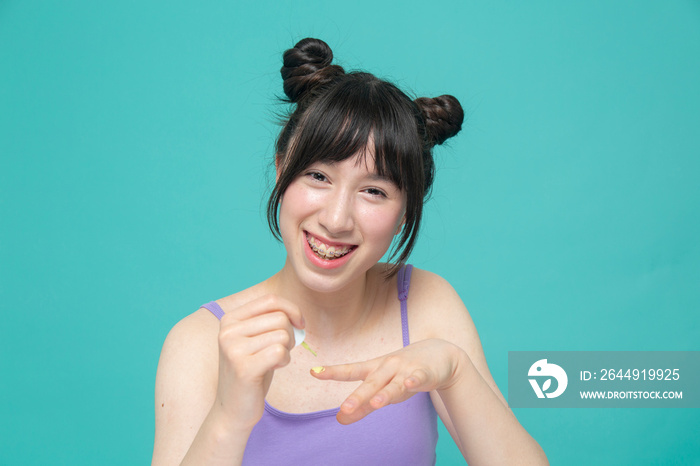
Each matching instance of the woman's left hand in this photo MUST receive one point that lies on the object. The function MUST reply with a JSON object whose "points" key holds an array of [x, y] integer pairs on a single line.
{"points": [[419, 367]]}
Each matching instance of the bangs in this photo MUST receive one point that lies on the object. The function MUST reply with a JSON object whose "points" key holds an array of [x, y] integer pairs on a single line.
{"points": [[353, 119]]}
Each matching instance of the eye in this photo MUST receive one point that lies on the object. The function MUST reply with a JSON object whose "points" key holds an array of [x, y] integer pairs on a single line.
{"points": [[317, 176], [376, 192]]}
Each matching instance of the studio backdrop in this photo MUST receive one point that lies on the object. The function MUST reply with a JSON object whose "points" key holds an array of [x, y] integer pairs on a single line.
{"points": [[136, 144]]}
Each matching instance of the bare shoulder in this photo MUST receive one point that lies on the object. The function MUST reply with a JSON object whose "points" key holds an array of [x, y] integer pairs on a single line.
{"points": [[429, 285], [187, 378], [190, 339], [436, 309], [189, 356], [185, 384]]}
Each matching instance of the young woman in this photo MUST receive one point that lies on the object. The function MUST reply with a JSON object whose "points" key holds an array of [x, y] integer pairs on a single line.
{"points": [[387, 347]]}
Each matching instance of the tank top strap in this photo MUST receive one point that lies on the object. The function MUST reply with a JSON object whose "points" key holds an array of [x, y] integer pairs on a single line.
{"points": [[214, 308], [403, 283]]}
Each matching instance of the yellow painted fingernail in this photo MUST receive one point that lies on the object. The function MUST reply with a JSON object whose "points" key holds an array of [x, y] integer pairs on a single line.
{"points": [[318, 369]]}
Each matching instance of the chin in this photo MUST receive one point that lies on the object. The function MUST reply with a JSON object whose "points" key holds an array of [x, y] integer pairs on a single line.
{"points": [[330, 280]]}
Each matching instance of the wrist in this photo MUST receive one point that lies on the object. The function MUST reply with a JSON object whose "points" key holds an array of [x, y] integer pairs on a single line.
{"points": [[226, 426], [461, 366]]}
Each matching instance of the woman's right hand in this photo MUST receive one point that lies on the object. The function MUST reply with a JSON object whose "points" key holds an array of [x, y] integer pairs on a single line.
{"points": [[254, 340]]}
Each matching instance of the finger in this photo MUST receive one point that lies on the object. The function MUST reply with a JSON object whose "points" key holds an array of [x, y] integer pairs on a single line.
{"points": [[402, 388], [258, 343], [345, 372], [265, 304], [240, 350], [254, 368], [240, 339], [348, 417], [359, 403], [362, 402], [394, 392], [260, 324], [269, 358], [418, 381]]}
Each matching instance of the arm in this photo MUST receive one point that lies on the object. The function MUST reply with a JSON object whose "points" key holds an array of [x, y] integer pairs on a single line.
{"points": [[484, 428], [450, 363], [212, 380], [186, 387], [474, 397]]}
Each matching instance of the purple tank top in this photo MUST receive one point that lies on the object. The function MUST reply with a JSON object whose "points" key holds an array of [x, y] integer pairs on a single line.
{"points": [[404, 433]]}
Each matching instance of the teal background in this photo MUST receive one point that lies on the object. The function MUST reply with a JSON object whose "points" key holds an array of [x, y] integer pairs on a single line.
{"points": [[135, 148]]}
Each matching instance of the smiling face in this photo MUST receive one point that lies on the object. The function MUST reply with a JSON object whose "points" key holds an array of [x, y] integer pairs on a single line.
{"points": [[354, 112], [337, 220]]}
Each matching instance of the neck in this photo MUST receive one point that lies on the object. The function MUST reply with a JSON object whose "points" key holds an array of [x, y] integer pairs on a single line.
{"points": [[329, 316]]}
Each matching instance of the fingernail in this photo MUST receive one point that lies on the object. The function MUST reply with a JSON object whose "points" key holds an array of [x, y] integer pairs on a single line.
{"points": [[318, 369], [378, 400], [348, 405]]}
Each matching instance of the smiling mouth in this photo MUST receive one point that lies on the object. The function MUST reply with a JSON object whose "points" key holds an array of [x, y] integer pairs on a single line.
{"points": [[325, 251]]}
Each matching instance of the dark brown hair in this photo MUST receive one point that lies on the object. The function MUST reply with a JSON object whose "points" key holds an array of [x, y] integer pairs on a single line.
{"points": [[336, 116]]}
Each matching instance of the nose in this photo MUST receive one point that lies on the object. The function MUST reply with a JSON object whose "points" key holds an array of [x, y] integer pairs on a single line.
{"points": [[337, 215]]}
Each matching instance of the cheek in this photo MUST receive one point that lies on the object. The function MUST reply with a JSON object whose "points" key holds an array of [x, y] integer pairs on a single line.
{"points": [[297, 202], [381, 223]]}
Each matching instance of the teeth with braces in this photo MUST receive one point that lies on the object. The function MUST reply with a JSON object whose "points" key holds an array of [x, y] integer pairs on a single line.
{"points": [[325, 251]]}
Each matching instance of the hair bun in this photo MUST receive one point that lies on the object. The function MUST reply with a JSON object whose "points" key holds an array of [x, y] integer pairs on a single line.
{"points": [[307, 66], [443, 117]]}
